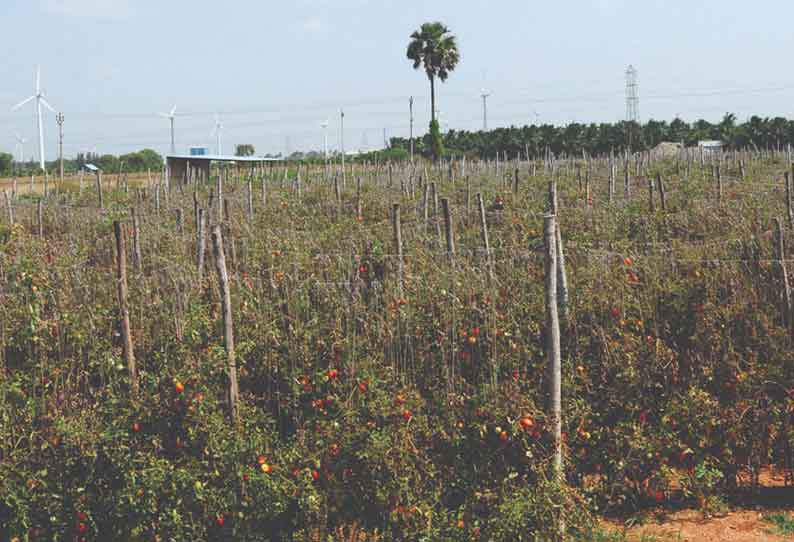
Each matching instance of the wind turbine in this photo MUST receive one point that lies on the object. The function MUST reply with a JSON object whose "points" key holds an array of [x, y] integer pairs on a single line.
{"points": [[218, 129], [21, 147], [170, 116], [324, 126], [39, 97]]}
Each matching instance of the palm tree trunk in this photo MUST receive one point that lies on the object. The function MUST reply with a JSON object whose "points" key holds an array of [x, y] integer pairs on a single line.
{"points": [[432, 98]]}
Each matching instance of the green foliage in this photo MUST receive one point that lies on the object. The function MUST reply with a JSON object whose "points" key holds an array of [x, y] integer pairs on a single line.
{"points": [[436, 141], [783, 523], [402, 414], [245, 149], [6, 163], [143, 160]]}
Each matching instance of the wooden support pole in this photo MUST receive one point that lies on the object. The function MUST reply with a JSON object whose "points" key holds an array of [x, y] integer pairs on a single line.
{"points": [[789, 210], [651, 203], [136, 241], [484, 235], [553, 343], [98, 190], [562, 275], [359, 210], [250, 199], [398, 246], [780, 254], [662, 193], [124, 311], [232, 389], [434, 191], [202, 243], [40, 217], [450, 235], [9, 207]]}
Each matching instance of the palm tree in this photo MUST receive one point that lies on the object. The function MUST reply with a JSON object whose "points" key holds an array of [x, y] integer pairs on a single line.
{"points": [[435, 48]]}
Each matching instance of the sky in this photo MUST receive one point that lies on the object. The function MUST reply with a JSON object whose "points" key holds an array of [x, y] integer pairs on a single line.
{"points": [[274, 71]]}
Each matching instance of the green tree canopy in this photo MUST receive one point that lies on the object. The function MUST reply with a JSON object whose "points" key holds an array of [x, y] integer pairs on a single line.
{"points": [[245, 149]]}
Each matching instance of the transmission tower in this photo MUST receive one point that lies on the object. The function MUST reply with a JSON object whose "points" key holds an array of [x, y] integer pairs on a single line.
{"points": [[632, 95], [632, 101]]}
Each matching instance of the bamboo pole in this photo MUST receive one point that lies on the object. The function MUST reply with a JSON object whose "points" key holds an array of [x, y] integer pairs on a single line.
{"points": [[232, 390], [126, 334]]}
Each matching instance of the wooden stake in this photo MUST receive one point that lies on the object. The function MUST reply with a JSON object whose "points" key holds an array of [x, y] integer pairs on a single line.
{"points": [[789, 210], [398, 245], [40, 215], [98, 189], [553, 343], [136, 242], [781, 257], [202, 243], [450, 235], [484, 235], [662, 194], [562, 275], [126, 335], [232, 390]]}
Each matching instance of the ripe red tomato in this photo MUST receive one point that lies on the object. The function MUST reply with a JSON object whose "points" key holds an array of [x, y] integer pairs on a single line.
{"points": [[261, 459], [179, 387], [81, 527], [220, 520], [628, 261], [266, 468], [615, 312], [136, 427], [315, 475], [527, 422], [363, 386], [503, 436], [333, 374], [406, 415]]}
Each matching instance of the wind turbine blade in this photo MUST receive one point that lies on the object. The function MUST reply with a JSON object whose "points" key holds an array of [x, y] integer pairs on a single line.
{"points": [[47, 105], [164, 115], [23, 102], [173, 110], [38, 79]]}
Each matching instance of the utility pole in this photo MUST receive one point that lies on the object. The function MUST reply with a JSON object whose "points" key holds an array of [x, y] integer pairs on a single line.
{"points": [[59, 118], [484, 96], [411, 129]]}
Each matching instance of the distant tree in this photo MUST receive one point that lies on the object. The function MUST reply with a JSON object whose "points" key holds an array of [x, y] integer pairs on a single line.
{"points": [[6, 163], [435, 49], [246, 149], [147, 159]]}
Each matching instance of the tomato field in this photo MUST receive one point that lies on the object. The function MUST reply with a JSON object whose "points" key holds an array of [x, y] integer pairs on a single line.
{"points": [[392, 381]]}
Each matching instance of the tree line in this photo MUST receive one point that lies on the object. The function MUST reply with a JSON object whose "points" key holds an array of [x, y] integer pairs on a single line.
{"points": [[601, 138], [133, 162]]}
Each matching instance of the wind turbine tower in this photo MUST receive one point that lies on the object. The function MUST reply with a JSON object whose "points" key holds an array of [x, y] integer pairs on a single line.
{"points": [[39, 97], [218, 129], [484, 95], [324, 126], [20, 147], [170, 116]]}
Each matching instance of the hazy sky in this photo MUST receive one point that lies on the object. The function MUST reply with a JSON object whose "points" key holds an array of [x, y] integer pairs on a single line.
{"points": [[276, 70]]}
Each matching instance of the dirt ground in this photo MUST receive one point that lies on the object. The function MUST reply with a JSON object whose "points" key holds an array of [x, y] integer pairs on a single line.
{"points": [[744, 522], [741, 525]]}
